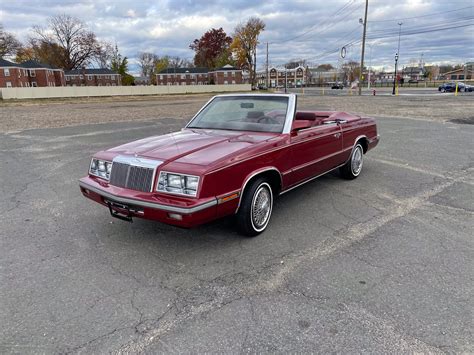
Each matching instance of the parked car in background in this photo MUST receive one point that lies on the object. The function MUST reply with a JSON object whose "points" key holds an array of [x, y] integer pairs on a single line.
{"points": [[234, 157], [451, 87], [469, 88]]}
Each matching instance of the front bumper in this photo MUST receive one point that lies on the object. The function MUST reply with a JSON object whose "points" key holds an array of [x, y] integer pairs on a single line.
{"points": [[176, 211]]}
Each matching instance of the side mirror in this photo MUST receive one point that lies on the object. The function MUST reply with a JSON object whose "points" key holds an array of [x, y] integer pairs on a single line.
{"points": [[300, 124]]}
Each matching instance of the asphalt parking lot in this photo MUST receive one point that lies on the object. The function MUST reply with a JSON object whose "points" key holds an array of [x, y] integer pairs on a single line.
{"points": [[384, 263]]}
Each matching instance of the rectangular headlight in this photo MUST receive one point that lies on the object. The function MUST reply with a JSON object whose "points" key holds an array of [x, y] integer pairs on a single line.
{"points": [[100, 168], [191, 182], [179, 184], [174, 181]]}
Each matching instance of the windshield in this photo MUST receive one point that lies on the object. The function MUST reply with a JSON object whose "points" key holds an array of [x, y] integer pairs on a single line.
{"points": [[244, 113]]}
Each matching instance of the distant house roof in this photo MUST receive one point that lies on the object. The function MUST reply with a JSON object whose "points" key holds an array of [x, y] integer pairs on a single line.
{"points": [[90, 71], [33, 64], [184, 70], [460, 71], [226, 67], [413, 70], [6, 63]]}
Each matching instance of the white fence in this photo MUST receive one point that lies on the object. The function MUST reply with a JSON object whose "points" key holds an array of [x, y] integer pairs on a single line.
{"points": [[90, 91]]}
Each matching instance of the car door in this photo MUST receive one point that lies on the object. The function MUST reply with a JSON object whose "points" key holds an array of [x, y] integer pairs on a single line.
{"points": [[315, 151]]}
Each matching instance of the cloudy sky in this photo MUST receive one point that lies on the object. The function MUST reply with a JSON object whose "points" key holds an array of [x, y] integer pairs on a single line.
{"points": [[315, 30]]}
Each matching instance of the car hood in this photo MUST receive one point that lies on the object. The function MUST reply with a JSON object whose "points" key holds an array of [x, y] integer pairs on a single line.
{"points": [[195, 146]]}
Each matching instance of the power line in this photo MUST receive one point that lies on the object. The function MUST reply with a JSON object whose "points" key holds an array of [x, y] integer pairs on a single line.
{"points": [[327, 21], [405, 33], [445, 25], [421, 16], [459, 21]]}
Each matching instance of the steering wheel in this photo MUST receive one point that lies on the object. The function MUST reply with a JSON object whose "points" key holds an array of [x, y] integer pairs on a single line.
{"points": [[268, 120]]}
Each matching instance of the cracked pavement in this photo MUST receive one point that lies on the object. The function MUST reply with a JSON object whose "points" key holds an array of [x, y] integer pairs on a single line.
{"points": [[383, 263]]}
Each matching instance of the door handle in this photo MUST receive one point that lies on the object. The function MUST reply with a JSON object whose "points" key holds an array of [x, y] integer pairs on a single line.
{"points": [[337, 135]]}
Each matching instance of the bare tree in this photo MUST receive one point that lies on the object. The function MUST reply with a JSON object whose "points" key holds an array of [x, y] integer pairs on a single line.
{"points": [[295, 63], [178, 62], [79, 44], [9, 45], [104, 56], [146, 62]]}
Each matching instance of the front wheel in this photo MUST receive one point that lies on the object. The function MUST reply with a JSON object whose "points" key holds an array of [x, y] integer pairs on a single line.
{"points": [[353, 167], [255, 208]]}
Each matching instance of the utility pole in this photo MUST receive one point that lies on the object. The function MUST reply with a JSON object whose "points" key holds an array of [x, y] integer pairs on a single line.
{"points": [[363, 47], [266, 71]]}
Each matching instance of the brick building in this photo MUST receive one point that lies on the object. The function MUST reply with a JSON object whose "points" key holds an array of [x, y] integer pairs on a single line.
{"points": [[183, 76], [12, 75], [458, 74], [278, 76], [92, 77], [42, 75], [29, 74], [226, 75]]}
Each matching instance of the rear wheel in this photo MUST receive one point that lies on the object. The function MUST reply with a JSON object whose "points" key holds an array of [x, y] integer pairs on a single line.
{"points": [[255, 208], [353, 167]]}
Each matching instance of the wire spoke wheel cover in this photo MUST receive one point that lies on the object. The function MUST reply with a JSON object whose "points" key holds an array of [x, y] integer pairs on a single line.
{"points": [[261, 207], [357, 160]]}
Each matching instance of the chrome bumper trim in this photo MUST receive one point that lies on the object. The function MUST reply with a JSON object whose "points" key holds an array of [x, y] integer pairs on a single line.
{"points": [[377, 138], [157, 206]]}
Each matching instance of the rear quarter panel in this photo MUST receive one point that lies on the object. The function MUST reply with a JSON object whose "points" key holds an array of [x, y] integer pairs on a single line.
{"points": [[353, 130]]}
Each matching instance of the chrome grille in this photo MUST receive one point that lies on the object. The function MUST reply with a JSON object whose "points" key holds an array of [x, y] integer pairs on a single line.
{"points": [[127, 173]]}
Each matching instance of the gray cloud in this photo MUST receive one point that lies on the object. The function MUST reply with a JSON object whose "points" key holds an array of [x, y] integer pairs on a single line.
{"points": [[311, 30]]}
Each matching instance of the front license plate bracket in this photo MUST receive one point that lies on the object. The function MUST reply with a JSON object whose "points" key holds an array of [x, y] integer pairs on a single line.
{"points": [[127, 216]]}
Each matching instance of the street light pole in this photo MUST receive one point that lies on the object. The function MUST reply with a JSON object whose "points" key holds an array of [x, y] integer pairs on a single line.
{"points": [[397, 56]]}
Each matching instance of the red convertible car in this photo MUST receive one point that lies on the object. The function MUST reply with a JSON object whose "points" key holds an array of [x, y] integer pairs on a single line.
{"points": [[234, 157]]}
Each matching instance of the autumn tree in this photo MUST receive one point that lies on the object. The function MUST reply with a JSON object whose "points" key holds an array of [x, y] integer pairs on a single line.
{"points": [[161, 63], [119, 64], [79, 45], [324, 67], [9, 45], [40, 51], [244, 45], [351, 70], [24, 53], [212, 50]]}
